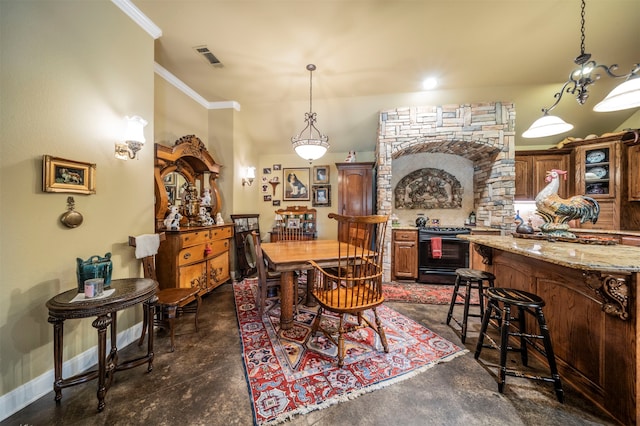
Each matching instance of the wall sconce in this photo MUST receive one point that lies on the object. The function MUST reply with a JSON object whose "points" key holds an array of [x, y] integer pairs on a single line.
{"points": [[133, 138], [249, 177]]}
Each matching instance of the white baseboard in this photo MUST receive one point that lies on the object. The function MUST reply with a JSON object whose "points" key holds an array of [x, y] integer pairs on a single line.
{"points": [[29, 392]]}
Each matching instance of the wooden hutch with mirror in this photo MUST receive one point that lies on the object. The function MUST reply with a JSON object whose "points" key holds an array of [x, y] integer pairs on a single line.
{"points": [[197, 253]]}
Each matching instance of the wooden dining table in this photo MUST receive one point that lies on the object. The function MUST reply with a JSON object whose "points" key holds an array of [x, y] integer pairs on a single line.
{"points": [[286, 257]]}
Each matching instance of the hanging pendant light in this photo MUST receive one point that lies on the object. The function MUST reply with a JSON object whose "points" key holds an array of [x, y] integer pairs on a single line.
{"points": [[310, 144], [625, 96], [547, 125]]}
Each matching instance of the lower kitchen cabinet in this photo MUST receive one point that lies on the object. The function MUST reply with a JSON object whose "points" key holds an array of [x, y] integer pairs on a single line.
{"points": [[404, 261], [195, 257]]}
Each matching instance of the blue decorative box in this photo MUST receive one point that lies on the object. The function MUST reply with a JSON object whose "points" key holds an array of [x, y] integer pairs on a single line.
{"points": [[94, 267]]}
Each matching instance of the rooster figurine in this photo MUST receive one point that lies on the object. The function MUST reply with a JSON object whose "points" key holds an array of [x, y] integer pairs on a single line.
{"points": [[557, 212]]}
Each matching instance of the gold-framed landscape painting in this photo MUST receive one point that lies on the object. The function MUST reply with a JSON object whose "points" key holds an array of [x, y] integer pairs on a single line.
{"points": [[62, 175]]}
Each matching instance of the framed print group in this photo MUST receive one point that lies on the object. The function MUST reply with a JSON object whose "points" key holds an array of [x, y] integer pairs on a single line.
{"points": [[296, 184], [60, 175]]}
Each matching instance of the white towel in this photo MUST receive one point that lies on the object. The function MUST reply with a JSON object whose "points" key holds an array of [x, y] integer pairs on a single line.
{"points": [[147, 245]]}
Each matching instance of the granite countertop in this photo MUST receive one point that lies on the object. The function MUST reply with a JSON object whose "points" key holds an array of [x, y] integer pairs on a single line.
{"points": [[590, 257]]}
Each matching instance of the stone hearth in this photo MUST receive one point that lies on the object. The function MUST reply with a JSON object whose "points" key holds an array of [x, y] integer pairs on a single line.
{"points": [[482, 133]]}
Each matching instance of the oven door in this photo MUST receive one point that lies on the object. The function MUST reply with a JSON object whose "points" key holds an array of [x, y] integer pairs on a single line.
{"points": [[455, 254]]}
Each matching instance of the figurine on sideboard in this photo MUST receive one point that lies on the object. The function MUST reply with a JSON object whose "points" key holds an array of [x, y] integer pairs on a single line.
{"points": [[172, 220], [205, 217], [351, 158], [206, 198], [219, 219]]}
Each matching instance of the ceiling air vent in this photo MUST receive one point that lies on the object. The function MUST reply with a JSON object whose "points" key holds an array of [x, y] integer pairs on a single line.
{"points": [[208, 56]]}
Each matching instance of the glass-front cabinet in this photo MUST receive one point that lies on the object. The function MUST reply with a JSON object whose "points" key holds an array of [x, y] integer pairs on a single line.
{"points": [[598, 170]]}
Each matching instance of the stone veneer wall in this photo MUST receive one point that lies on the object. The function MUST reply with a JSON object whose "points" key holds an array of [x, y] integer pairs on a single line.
{"points": [[483, 133]]}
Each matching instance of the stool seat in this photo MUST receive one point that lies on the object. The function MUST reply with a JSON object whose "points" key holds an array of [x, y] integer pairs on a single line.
{"points": [[501, 300], [471, 279], [516, 297], [475, 274]]}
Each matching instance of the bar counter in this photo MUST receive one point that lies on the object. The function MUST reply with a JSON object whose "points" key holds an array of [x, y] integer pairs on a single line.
{"points": [[591, 309]]}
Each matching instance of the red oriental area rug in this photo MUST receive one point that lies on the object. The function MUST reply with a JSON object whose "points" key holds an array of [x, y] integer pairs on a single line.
{"points": [[297, 373]]}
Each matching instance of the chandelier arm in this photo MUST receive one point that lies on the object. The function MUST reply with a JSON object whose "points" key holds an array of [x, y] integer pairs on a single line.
{"points": [[558, 95]]}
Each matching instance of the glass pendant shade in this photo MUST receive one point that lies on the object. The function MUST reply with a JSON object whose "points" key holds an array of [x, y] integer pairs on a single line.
{"points": [[547, 125], [310, 149], [624, 96]]}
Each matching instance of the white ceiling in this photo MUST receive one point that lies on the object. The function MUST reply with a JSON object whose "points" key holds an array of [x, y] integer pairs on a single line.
{"points": [[373, 54]]}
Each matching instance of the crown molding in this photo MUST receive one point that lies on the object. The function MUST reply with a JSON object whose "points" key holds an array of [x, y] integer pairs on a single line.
{"points": [[179, 84], [138, 17]]}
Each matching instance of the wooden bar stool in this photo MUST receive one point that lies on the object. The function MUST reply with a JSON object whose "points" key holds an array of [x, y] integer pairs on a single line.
{"points": [[499, 308], [472, 279]]}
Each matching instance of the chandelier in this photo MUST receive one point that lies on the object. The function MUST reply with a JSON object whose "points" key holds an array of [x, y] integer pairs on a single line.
{"points": [[626, 95], [310, 144]]}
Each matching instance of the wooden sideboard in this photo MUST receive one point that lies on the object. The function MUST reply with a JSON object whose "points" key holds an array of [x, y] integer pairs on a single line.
{"points": [[195, 257]]}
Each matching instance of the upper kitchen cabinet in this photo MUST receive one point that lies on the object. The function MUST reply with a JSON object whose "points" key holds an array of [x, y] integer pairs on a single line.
{"points": [[531, 170], [606, 170]]}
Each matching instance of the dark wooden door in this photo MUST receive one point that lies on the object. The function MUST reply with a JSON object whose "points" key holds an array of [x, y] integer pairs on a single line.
{"points": [[355, 190]]}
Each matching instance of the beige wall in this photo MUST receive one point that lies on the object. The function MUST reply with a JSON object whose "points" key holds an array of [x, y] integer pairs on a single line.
{"points": [[70, 72], [176, 115], [326, 227]]}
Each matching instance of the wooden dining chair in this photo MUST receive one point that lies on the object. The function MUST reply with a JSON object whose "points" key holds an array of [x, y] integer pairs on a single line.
{"points": [[268, 282], [171, 302], [355, 285]]}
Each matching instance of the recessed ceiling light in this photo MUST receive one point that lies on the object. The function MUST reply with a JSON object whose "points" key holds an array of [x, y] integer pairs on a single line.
{"points": [[429, 83]]}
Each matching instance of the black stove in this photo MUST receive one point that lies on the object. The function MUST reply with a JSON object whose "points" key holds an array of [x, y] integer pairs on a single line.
{"points": [[444, 230], [453, 253]]}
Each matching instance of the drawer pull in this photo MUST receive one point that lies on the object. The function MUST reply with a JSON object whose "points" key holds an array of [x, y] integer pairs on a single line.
{"points": [[186, 256]]}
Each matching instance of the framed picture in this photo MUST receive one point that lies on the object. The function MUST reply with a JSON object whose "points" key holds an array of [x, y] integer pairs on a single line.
{"points": [[321, 196], [296, 184], [266, 170], [266, 198], [276, 203], [321, 174], [293, 222], [277, 167], [170, 179], [60, 175]]}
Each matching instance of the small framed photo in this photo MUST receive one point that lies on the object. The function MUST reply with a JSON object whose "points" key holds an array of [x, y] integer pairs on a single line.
{"points": [[60, 175], [277, 167], [265, 188], [276, 203], [321, 196], [266, 198], [293, 222], [321, 174], [169, 179], [296, 184], [266, 170]]}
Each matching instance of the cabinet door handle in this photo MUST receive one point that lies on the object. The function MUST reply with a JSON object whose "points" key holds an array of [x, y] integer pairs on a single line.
{"points": [[186, 256]]}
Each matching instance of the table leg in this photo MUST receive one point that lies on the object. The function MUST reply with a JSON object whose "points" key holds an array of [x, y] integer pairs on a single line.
{"points": [[58, 333], [150, 308], [311, 277], [286, 300], [101, 323]]}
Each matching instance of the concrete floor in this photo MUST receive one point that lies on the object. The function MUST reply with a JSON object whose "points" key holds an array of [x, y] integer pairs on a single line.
{"points": [[203, 383]]}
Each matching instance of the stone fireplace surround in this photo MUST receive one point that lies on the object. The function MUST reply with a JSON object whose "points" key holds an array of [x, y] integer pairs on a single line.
{"points": [[484, 133]]}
